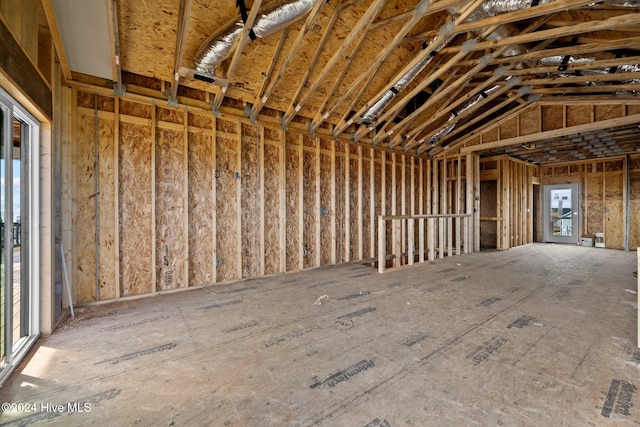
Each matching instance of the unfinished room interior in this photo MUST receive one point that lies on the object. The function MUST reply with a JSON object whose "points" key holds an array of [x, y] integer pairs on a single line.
{"points": [[319, 212]]}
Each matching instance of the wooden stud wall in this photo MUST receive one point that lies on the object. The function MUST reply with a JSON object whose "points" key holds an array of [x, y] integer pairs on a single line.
{"points": [[507, 201], [603, 196], [188, 199]]}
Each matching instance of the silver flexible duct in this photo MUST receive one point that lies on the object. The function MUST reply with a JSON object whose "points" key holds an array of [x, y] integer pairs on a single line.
{"points": [[278, 16]]}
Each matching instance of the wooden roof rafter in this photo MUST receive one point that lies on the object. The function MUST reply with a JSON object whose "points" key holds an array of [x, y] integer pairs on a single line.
{"points": [[445, 32], [412, 138], [410, 21], [264, 94], [296, 104], [444, 148], [181, 35], [242, 41], [629, 19]]}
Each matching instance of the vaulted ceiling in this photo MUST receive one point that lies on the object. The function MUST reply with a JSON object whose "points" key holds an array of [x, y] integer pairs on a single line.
{"points": [[418, 76]]}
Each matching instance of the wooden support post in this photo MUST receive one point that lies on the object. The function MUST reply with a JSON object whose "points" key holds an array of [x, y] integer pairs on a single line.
{"points": [[154, 273], [449, 236], [444, 181], [431, 235], [261, 201], [397, 242], [403, 203], [421, 240], [116, 192], [420, 186], [239, 201], [282, 202], [360, 210], [476, 203], [410, 241], [301, 246], [506, 204], [468, 245], [372, 202], [458, 203], [185, 200], [318, 259], [435, 188], [428, 187], [441, 242], [333, 204], [395, 231], [382, 244], [383, 183], [214, 213], [347, 203]]}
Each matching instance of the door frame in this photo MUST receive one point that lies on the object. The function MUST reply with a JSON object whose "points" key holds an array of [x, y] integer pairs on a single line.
{"points": [[575, 210], [15, 353]]}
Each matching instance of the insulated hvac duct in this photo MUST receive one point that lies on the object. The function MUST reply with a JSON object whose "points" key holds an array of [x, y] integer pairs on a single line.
{"points": [[563, 61], [484, 94], [278, 16], [488, 9], [372, 113]]}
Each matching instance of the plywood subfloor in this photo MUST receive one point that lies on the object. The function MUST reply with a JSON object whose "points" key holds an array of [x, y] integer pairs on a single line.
{"points": [[539, 335]]}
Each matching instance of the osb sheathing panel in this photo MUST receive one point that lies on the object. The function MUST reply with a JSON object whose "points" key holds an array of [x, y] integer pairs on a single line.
{"points": [[614, 210], [490, 135], [272, 218], [292, 202], [107, 209], [171, 245], [605, 112], [325, 204], [593, 205], [529, 121], [250, 209], [85, 221], [309, 208], [509, 129], [227, 205], [135, 208], [579, 114], [201, 213], [151, 57], [552, 117]]}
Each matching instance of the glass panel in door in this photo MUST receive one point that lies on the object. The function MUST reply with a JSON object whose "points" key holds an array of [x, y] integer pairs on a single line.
{"points": [[561, 213]]}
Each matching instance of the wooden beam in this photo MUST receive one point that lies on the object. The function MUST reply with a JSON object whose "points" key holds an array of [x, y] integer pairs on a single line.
{"points": [[557, 133], [185, 197], [334, 259], [347, 204], [422, 56], [154, 234], [372, 201], [57, 40], [301, 246], [360, 208], [368, 16], [282, 199], [318, 206], [261, 202], [214, 208], [184, 12], [243, 39], [586, 27], [262, 98], [412, 19], [238, 168]]}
